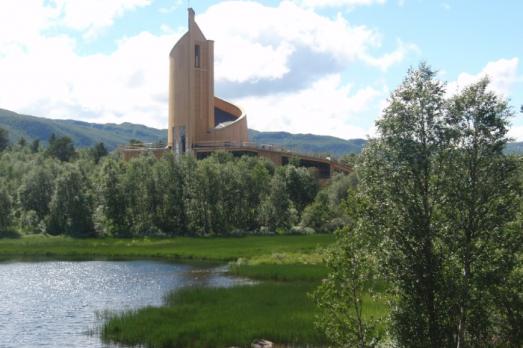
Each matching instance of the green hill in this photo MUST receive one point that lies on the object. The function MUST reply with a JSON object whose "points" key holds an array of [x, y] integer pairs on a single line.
{"points": [[85, 134], [309, 143]]}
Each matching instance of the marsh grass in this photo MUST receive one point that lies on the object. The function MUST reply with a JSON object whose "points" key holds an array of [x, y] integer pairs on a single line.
{"points": [[280, 309], [222, 317], [283, 272], [220, 249]]}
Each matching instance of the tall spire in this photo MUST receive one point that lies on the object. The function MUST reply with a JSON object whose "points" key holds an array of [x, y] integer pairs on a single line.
{"points": [[191, 16]]}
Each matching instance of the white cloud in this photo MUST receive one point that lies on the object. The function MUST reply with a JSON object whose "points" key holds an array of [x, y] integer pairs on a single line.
{"points": [[256, 42], [282, 64], [91, 16], [387, 60], [338, 3], [175, 5], [21, 25], [502, 74], [129, 85], [516, 133], [327, 107]]}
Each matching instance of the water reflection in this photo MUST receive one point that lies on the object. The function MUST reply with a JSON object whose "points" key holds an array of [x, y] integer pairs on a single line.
{"points": [[55, 304]]}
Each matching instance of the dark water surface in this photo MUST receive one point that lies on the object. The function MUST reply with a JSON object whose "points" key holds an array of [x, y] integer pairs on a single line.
{"points": [[58, 304]]}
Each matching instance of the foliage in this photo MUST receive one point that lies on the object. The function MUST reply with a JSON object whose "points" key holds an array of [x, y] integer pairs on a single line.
{"points": [[36, 190], [352, 264], [441, 199], [69, 210], [318, 214], [5, 211], [275, 210], [482, 193], [326, 213], [400, 174], [22, 142], [98, 151], [35, 146], [111, 200], [61, 148], [4, 139]]}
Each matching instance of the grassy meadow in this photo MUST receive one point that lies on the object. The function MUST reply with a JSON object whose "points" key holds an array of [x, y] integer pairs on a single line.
{"points": [[221, 249], [222, 317]]}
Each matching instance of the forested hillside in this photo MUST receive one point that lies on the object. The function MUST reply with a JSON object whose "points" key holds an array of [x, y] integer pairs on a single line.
{"points": [[85, 134], [309, 143]]}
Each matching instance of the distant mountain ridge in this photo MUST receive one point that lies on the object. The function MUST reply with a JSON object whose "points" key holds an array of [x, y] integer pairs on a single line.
{"points": [[86, 134], [83, 134], [309, 143]]}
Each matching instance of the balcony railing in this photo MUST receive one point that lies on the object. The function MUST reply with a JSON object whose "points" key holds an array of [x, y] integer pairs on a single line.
{"points": [[256, 146], [142, 146]]}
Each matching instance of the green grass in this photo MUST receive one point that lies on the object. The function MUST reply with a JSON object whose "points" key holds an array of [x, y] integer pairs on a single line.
{"points": [[180, 248], [218, 317], [278, 309], [285, 273]]}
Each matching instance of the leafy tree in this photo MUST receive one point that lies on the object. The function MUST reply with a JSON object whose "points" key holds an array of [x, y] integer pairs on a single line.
{"points": [[352, 262], [22, 142], [301, 186], [349, 159], [253, 182], [441, 202], [275, 210], [61, 148], [70, 211], [399, 173], [5, 211], [142, 196], [98, 151], [111, 196], [36, 191], [169, 176], [135, 142], [35, 146], [318, 214], [193, 197], [4, 139], [482, 195]]}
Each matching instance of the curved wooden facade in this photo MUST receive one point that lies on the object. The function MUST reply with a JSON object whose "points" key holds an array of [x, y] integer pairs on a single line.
{"points": [[195, 114]]}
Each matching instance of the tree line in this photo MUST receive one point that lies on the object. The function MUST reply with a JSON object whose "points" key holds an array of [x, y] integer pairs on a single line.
{"points": [[89, 193]]}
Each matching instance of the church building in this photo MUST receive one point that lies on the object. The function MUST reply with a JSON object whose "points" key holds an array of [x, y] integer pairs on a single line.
{"points": [[200, 123]]}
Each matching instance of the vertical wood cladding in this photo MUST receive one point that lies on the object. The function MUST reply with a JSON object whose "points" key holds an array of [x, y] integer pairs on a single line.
{"points": [[191, 93]]}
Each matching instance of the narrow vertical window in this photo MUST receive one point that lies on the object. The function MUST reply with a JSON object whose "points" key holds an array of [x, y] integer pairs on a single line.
{"points": [[182, 140], [197, 56]]}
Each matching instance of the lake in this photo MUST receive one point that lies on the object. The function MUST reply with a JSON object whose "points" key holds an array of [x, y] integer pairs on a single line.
{"points": [[58, 303]]}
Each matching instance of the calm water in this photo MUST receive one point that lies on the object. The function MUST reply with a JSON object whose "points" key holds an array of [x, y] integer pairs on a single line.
{"points": [[55, 304]]}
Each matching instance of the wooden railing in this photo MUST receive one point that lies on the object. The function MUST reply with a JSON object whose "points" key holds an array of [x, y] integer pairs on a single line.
{"points": [[142, 146], [256, 146]]}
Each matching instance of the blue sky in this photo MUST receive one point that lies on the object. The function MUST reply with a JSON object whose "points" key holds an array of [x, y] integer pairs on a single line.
{"points": [[287, 63]]}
